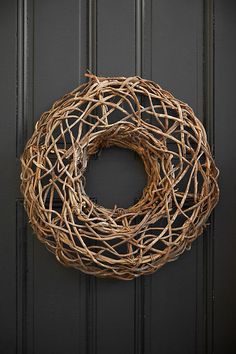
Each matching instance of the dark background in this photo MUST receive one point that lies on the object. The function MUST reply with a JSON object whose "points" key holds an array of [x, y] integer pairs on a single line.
{"points": [[188, 47]]}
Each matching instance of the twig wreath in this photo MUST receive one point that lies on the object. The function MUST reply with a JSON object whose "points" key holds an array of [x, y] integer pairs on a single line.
{"points": [[181, 188]]}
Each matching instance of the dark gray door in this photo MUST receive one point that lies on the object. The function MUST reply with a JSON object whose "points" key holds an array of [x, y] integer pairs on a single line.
{"points": [[188, 47]]}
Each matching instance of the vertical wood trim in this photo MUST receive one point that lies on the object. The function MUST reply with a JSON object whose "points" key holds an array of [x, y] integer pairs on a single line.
{"points": [[80, 36], [91, 306], [82, 9], [147, 73], [139, 18], [139, 316], [208, 70], [20, 136], [21, 274], [91, 282], [24, 88], [142, 300], [21, 72], [139, 282], [24, 124], [24, 284], [92, 44], [199, 294], [208, 112]]}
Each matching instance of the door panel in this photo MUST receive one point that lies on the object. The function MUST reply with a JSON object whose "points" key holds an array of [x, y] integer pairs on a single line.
{"points": [[188, 48], [115, 299], [177, 47], [8, 184], [225, 144], [58, 310]]}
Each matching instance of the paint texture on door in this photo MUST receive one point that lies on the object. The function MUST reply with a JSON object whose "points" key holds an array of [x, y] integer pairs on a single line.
{"points": [[187, 47]]}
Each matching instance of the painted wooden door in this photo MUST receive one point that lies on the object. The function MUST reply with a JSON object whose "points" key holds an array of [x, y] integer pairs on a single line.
{"points": [[188, 47]]}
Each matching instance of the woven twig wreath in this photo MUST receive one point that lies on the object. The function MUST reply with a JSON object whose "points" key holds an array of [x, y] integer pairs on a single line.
{"points": [[181, 189]]}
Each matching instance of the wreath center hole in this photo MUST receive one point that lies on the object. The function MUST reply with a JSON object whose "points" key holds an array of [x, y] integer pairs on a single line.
{"points": [[115, 176]]}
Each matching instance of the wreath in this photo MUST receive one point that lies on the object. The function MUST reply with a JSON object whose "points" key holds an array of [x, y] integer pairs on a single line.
{"points": [[181, 190]]}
